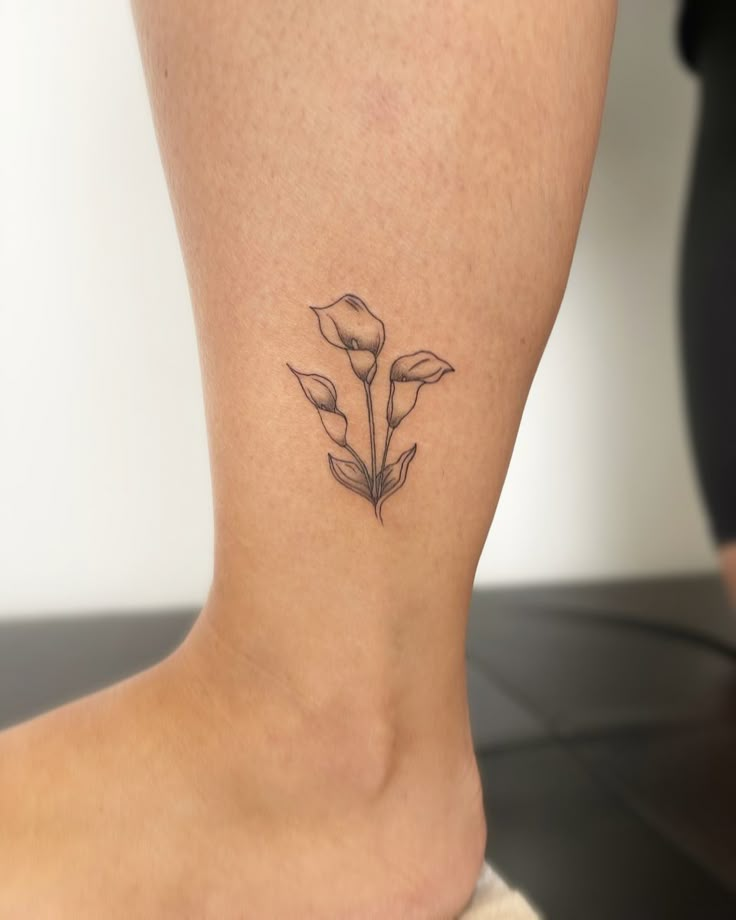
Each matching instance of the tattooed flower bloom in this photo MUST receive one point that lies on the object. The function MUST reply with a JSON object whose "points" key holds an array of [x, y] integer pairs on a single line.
{"points": [[322, 394], [349, 324], [408, 374]]}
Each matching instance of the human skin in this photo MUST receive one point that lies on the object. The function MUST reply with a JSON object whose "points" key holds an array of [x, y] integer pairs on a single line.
{"points": [[306, 751]]}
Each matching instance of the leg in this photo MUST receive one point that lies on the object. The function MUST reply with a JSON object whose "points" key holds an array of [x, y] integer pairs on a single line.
{"points": [[311, 737], [708, 304]]}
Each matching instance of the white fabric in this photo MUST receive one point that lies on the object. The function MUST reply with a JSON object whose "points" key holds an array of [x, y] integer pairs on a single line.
{"points": [[494, 900]]}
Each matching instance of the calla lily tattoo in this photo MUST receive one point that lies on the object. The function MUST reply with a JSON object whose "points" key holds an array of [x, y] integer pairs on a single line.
{"points": [[349, 324]]}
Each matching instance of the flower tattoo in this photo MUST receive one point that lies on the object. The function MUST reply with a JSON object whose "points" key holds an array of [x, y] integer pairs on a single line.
{"points": [[349, 324]]}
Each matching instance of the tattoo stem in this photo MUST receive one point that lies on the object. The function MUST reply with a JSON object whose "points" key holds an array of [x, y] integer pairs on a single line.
{"points": [[372, 427], [389, 432]]}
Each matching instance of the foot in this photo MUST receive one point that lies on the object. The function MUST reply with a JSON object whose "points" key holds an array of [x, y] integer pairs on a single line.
{"points": [[179, 794]]}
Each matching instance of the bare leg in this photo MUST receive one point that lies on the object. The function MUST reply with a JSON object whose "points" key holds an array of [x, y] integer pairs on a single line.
{"points": [[307, 751]]}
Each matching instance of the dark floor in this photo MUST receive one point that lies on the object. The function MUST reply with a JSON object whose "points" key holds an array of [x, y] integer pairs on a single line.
{"points": [[605, 724]]}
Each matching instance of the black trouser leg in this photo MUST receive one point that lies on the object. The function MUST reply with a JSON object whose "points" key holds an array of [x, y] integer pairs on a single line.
{"points": [[708, 278]]}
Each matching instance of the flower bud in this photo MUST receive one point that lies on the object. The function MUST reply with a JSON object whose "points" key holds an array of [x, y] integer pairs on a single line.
{"points": [[322, 395], [319, 390], [349, 324], [408, 374]]}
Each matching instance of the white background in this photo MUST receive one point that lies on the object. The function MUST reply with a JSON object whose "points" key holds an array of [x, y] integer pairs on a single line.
{"points": [[104, 496]]}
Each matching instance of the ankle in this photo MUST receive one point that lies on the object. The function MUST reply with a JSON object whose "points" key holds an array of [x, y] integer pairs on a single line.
{"points": [[356, 737], [399, 771]]}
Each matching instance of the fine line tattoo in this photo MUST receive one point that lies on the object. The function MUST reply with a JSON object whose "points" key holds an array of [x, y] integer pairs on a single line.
{"points": [[349, 324]]}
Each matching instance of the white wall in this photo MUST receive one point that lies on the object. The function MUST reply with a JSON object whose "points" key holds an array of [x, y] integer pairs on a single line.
{"points": [[103, 469], [601, 483]]}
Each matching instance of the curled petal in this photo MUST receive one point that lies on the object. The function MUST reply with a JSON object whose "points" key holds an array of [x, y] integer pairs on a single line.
{"points": [[319, 390], [402, 399], [394, 477], [408, 374], [423, 366], [364, 364], [351, 476], [336, 425], [348, 323]]}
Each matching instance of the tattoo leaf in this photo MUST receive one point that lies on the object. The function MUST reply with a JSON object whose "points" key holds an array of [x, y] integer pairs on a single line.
{"points": [[408, 374], [394, 477], [349, 324], [351, 476]]}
